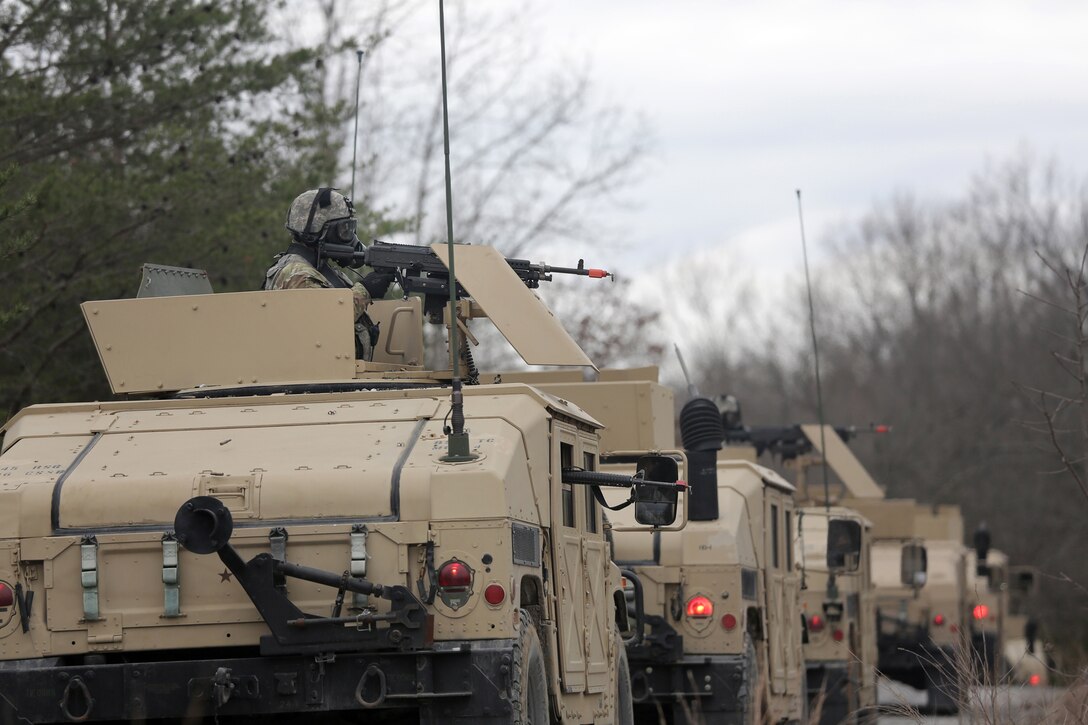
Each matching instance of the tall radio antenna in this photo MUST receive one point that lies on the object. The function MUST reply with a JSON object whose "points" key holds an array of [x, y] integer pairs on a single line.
{"points": [[457, 444], [815, 354], [692, 390], [355, 136]]}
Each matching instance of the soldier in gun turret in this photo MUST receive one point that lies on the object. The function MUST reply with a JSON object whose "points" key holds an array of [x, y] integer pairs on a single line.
{"points": [[325, 215]]}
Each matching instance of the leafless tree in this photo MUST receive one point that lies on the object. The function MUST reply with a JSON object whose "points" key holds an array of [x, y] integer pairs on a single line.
{"points": [[536, 151], [1071, 357], [936, 317]]}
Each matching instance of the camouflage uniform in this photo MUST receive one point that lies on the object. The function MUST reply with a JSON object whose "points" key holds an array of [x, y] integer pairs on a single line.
{"points": [[295, 270]]}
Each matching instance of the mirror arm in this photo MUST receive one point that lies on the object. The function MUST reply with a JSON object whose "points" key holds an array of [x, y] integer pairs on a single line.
{"points": [[613, 480]]}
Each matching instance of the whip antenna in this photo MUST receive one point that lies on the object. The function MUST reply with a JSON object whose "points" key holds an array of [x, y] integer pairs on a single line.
{"points": [[692, 390], [815, 353], [355, 135], [457, 445]]}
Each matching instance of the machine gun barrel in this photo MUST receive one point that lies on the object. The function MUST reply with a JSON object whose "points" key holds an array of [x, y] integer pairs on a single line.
{"points": [[790, 441], [410, 260]]}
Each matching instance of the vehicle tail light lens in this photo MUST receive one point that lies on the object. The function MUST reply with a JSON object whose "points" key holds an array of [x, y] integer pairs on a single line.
{"points": [[837, 635], [729, 622], [938, 620], [700, 607], [494, 594], [455, 575], [1034, 680], [981, 611], [7, 596], [816, 623]]}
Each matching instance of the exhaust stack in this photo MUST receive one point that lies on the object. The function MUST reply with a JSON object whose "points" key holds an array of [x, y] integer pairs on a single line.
{"points": [[702, 433]]}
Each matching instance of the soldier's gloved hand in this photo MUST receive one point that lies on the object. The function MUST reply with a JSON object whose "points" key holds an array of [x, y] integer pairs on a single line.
{"points": [[377, 283]]}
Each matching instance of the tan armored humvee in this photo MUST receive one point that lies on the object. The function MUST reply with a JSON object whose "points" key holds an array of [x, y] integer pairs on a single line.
{"points": [[924, 629], [837, 600], [1025, 650], [834, 551], [721, 622], [277, 530]]}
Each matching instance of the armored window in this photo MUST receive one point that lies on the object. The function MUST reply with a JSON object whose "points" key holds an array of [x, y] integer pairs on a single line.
{"points": [[590, 464], [774, 535], [566, 460]]}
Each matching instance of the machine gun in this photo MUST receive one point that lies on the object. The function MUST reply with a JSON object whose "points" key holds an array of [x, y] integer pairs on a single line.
{"points": [[789, 441], [418, 270]]}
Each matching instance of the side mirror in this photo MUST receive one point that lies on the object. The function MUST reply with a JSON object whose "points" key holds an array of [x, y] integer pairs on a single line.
{"points": [[655, 505], [843, 545], [912, 570]]}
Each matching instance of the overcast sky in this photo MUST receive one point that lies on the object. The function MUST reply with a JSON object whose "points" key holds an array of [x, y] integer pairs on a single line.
{"points": [[849, 101]]}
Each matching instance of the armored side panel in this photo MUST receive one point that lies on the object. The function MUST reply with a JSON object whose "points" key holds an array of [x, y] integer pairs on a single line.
{"points": [[638, 414], [649, 373], [891, 518], [939, 522], [158, 280], [161, 344], [400, 322], [526, 323]]}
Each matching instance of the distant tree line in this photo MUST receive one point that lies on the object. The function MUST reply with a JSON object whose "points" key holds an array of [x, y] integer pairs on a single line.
{"points": [[962, 324]]}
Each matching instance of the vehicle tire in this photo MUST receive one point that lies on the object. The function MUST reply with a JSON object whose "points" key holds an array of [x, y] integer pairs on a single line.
{"points": [[529, 678], [625, 703]]}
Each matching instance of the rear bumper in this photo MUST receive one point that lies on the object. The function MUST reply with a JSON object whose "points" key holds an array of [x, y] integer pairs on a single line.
{"points": [[718, 688], [468, 684]]}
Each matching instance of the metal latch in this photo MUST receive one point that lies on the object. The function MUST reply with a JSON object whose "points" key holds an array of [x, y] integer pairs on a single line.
{"points": [[171, 590], [88, 557], [277, 542], [358, 563]]}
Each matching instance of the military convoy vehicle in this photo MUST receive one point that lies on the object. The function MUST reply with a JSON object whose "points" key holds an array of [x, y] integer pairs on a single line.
{"points": [[919, 572], [834, 551], [1025, 651], [988, 604], [838, 604], [276, 529], [716, 605]]}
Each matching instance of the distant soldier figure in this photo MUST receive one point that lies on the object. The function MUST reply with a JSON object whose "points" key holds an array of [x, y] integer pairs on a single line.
{"points": [[325, 215]]}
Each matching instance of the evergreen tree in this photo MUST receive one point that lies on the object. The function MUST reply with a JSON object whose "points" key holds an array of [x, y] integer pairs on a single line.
{"points": [[170, 131]]}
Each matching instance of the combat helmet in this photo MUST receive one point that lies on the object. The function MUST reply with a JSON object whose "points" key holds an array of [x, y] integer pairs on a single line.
{"points": [[322, 215]]}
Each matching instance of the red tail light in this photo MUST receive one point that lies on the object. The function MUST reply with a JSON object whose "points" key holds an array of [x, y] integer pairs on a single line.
{"points": [[980, 611], [729, 622], [837, 635], [816, 623], [938, 620], [1034, 680], [494, 594], [7, 596], [700, 607], [454, 575]]}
